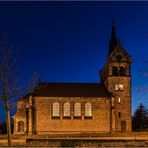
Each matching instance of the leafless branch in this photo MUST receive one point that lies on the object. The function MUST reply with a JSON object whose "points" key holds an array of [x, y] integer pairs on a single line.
{"points": [[10, 89]]}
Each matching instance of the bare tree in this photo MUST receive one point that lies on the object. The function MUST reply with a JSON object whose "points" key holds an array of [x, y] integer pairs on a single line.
{"points": [[9, 86]]}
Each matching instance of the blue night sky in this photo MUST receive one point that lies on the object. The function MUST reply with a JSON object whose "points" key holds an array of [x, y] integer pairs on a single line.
{"points": [[68, 41]]}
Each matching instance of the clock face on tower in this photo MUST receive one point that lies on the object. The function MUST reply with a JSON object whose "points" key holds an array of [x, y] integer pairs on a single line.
{"points": [[118, 57]]}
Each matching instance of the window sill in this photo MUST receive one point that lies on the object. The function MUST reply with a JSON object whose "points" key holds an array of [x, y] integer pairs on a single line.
{"points": [[67, 117], [119, 90], [87, 117], [55, 117], [77, 117]]}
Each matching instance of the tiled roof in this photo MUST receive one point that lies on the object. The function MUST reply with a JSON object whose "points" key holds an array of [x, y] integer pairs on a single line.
{"points": [[71, 90]]}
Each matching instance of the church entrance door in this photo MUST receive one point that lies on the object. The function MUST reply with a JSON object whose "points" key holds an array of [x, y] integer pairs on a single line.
{"points": [[123, 126]]}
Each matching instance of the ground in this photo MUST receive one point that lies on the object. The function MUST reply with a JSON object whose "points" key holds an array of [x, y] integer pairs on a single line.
{"points": [[133, 139]]}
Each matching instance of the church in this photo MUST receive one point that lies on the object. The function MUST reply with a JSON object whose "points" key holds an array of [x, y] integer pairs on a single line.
{"points": [[76, 108]]}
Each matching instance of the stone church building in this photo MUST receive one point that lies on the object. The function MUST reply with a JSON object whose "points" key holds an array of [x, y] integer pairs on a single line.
{"points": [[81, 107]]}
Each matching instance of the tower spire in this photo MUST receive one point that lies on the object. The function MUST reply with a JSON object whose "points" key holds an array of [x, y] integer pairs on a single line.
{"points": [[113, 41]]}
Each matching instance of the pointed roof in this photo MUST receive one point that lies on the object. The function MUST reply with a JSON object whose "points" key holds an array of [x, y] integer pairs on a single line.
{"points": [[113, 41], [119, 50]]}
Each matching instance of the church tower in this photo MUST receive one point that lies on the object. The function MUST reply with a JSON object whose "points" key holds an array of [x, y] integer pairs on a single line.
{"points": [[116, 76]]}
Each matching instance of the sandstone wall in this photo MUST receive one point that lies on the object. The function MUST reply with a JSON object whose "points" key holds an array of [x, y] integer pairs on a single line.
{"points": [[100, 121]]}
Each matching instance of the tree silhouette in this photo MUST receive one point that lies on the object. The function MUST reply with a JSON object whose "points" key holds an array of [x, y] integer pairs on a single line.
{"points": [[10, 89], [140, 118]]}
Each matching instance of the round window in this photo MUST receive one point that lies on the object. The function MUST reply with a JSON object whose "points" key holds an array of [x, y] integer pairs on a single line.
{"points": [[118, 57]]}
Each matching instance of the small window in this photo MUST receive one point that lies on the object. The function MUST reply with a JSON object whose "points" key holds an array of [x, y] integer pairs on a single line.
{"points": [[120, 87], [119, 100], [77, 110], [118, 57], [88, 110], [21, 126], [66, 109], [119, 114], [56, 110], [116, 87]]}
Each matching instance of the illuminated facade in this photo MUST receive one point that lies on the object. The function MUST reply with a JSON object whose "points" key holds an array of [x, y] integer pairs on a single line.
{"points": [[81, 107]]}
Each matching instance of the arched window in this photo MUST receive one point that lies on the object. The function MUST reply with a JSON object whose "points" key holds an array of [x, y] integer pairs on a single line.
{"points": [[116, 87], [56, 110], [21, 126], [88, 110], [121, 71], [66, 108], [77, 110], [120, 86], [114, 71]]}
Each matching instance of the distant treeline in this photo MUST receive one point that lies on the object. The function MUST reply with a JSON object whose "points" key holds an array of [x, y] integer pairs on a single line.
{"points": [[3, 127]]}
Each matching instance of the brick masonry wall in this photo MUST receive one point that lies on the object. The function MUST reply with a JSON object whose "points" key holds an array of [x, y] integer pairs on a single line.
{"points": [[100, 120], [125, 105], [20, 115]]}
